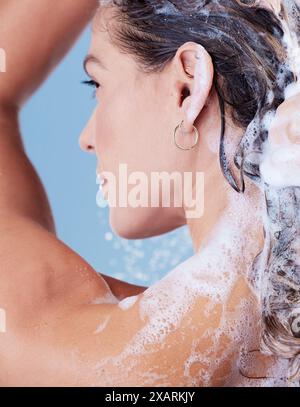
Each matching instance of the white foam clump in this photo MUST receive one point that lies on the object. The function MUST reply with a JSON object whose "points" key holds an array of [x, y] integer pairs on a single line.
{"points": [[167, 8], [292, 89], [128, 302], [102, 326], [108, 298], [290, 37], [281, 166], [105, 2]]}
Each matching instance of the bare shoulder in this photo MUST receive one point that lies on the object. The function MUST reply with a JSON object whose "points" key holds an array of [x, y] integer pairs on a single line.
{"points": [[182, 331], [40, 272], [172, 334], [75, 332]]}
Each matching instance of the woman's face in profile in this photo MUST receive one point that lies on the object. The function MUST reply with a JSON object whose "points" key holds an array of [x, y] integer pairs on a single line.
{"points": [[133, 124]]}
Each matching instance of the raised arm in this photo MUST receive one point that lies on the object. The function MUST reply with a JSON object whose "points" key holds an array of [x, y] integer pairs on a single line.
{"points": [[34, 36]]}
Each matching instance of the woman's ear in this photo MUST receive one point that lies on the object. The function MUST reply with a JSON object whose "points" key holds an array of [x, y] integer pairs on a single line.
{"points": [[197, 72]]}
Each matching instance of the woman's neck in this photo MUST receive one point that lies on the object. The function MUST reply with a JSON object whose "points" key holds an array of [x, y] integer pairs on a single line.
{"points": [[230, 233], [231, 228]]}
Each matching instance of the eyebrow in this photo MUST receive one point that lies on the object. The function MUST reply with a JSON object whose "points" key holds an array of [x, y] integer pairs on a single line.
{"points": [[91, 58]]}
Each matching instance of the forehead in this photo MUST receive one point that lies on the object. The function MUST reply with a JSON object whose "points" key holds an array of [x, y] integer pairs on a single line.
{"points": [[102, 44], [102, 26], [103, 18]]}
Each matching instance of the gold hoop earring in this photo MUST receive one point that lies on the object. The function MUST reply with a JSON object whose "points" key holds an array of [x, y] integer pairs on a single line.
{"points": [[196, 133]]}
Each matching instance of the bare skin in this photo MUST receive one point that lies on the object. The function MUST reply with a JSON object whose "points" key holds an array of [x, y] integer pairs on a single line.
{"points": [[50, 293]]}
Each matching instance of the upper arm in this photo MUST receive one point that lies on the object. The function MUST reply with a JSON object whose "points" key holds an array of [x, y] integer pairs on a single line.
{"points": [[34, 36], [48, 292], [39, 271], [21, 191]]}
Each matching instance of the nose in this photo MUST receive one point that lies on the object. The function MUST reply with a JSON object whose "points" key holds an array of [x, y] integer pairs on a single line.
{"points": [[87, 137]]}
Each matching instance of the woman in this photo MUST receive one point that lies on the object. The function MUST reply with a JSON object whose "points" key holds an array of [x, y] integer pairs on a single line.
{"points": [[201, 324]]}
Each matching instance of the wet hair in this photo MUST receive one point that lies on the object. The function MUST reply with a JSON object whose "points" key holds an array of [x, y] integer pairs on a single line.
{"points": [[245, 42]]}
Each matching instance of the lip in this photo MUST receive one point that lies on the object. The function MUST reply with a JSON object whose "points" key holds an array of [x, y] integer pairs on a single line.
{"points": [[101, 179]]}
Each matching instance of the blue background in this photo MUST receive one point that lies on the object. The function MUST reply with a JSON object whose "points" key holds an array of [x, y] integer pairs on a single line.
{"points": [[51, 123]]}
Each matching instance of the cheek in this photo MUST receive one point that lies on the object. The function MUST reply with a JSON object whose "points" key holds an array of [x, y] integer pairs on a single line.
{"points": [[108, 134], [121, 127], [133, 131]]}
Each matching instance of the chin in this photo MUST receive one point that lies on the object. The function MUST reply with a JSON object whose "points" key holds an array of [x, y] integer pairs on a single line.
{"points": [[142, 223]]}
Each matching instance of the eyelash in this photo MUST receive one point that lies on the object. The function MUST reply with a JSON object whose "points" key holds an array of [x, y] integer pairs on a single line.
{"points": [[93, 84]]}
